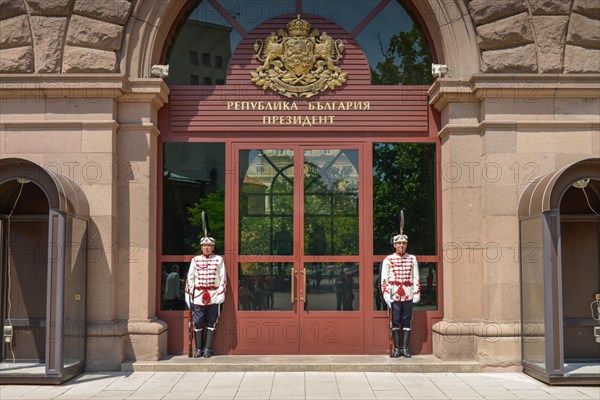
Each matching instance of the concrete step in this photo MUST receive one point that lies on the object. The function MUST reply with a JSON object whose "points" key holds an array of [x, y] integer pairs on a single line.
{"points": [[303, 363]]}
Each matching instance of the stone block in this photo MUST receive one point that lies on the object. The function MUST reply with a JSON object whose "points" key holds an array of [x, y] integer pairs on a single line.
{"points": [[498, 140], [503, 300], [104, 345], [587, 7], [463, 262], [98, 140], [87, 169], [499, 200], [461, 160], [16, 60], [549, 7], [15, 32], [520, 59], [507, 32], [484, 11], [115, 11], [461, 113], [521, 107], [48, 39], [577, 109], [146, 341], [93, 33], [566, 140], [584, 31], [550, 33], [90, 108], [50, 140], [10, 8], [50, 7], [499, 353], [23, 108], [579, 60], [453, 340], [82, 60]]}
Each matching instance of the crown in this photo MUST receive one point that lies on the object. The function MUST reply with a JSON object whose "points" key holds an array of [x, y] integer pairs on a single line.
{"points": [[298, 27]]}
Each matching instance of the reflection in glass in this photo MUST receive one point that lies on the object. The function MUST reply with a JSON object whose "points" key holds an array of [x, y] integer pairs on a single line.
{"points": [[264, 286], [345, 13], [193, 60], [266, 202], [249, 14], [396, 48], [532, 292], [172, 286], [332, 286], [404, 178], [75, 294], [331, 202], [193, 180], [393, 41]]}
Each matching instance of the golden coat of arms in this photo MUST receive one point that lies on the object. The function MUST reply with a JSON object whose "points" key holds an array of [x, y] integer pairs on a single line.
{"points": [[299, 63]]}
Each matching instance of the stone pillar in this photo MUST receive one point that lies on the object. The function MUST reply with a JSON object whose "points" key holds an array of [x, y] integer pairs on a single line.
{"points": [[498, 134], [137, 181]]}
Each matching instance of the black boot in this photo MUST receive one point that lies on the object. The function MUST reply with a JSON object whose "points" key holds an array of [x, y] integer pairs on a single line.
{"points": [[396, 338], [404, 349], [209, 338], [198, 340]]}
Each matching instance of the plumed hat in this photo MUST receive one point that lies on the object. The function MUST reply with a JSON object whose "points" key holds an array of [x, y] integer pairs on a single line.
{"points": [[400, 237], [206, 239]]}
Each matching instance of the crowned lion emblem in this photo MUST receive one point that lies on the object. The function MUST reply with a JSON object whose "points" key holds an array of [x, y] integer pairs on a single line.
{"points": [[299, 62]]}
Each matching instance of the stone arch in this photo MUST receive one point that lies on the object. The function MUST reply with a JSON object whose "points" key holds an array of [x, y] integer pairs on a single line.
{"points": [[448, 23]]}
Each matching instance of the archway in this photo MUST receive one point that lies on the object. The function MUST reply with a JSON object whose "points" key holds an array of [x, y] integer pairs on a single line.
{"points": [[43, 225], [560, 270]]}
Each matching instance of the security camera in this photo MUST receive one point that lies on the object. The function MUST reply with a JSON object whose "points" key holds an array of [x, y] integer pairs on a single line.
{"points": [[159, 71], [439, 70]]}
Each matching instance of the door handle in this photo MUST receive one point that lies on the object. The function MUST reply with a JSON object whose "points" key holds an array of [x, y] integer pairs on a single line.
{"points": [[303, 289], [292, 279]]}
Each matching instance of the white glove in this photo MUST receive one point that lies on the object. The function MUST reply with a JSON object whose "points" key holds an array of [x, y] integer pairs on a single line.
{"points": [[416, 298], [187, 300], [388, 302]]}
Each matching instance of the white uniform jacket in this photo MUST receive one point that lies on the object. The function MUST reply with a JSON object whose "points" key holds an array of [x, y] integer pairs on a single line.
{"points": [[400, 277], [206, 280]]}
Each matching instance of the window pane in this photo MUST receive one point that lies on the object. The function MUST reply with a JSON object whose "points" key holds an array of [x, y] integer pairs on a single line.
{"points": [[266, 203], [396, 48], [204, 32], [250, 14], [404, 179], [331, 202], [332, 286], [172, 286], [264, 286], [193, 180], [345, 13]]}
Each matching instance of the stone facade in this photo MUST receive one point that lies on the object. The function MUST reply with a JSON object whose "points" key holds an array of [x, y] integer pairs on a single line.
{"points": [[522, 99]]}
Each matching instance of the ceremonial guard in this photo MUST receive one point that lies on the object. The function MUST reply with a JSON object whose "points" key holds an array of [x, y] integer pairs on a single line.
{"points": [[401, 288], [205, 291]]}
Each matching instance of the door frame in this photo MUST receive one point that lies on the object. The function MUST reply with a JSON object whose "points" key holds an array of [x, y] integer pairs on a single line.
{"points": [[374, 322], [286, 331]]}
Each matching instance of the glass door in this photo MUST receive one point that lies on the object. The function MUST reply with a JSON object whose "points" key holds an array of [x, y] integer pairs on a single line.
{"points": [[298, 250]]}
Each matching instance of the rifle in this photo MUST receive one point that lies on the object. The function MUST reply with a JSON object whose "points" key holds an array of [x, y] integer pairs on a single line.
{"points": [[190, 329], [391, 339]]}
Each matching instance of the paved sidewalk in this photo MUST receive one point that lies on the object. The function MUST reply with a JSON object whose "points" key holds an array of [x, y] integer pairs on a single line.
{"points": [[299, 385]]}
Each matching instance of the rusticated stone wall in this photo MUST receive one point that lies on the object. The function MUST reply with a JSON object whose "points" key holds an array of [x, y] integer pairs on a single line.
{"points": [[537, 36], [61, 36], [86, 36]]}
